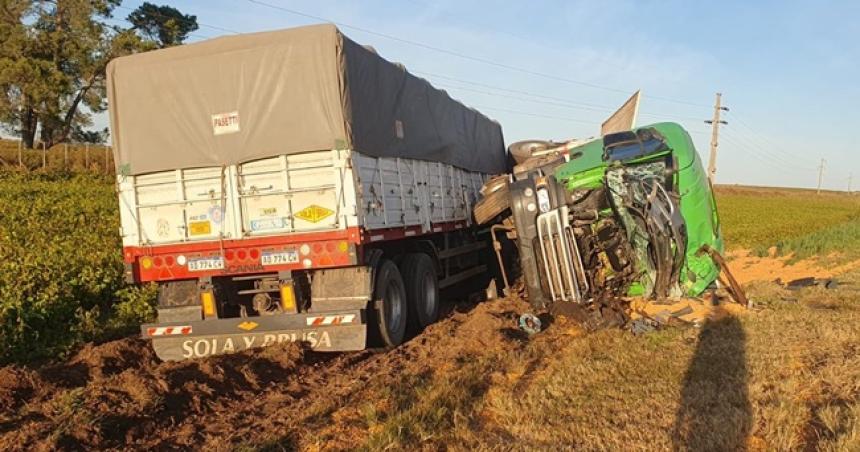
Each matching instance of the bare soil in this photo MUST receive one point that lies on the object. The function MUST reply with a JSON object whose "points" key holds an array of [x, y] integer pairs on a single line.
{"points": [[118, 394], [747, 267]]}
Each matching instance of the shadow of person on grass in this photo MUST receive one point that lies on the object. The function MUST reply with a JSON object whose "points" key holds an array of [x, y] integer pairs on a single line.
{"points": [[715, 413]]}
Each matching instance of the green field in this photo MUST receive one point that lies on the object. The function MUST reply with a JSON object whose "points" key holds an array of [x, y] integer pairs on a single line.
{"points": [[793, 220], [61, 266]]}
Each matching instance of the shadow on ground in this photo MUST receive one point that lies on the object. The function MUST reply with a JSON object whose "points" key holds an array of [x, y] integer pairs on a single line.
{"points": [[715, 412]]}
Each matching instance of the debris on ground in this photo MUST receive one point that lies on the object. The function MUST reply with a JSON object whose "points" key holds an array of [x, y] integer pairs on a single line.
{"points": [[809, 281]]}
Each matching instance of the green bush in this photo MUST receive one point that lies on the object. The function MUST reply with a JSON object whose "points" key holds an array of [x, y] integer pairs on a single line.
{"points": [[61, 272]]}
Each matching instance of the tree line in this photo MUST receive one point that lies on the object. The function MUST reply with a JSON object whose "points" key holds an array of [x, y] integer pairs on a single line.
{"points": [[53, 56]]}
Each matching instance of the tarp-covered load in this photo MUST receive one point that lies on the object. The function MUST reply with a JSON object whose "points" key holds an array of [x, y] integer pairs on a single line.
{"points": [[239, 98]]}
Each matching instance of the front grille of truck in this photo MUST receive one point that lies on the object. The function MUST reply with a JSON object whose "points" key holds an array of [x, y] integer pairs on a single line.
{"points": [[563, 272]]}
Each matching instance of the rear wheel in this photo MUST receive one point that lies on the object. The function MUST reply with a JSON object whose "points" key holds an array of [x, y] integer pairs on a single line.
{"points": [[390, 307], [422, 290]]}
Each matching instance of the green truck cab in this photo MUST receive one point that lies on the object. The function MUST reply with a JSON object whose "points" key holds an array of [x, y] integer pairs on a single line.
{"points": [[627, 214]]}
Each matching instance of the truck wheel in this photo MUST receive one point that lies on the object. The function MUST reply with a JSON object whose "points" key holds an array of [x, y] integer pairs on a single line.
{"points": [[389, 298], [422, 290]]}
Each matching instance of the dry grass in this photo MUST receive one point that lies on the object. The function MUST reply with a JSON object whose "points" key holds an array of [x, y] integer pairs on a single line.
{"points": [[783, 377]]}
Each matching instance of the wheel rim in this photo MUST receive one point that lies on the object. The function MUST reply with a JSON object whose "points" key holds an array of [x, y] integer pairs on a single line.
{"points": [[393, 307], [429, 295]]}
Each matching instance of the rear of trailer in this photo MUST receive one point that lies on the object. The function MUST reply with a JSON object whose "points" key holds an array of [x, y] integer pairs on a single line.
{"points": [[293, 186]]}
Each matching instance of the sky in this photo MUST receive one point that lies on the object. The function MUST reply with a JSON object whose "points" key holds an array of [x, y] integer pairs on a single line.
{"points": [[788, 70]]}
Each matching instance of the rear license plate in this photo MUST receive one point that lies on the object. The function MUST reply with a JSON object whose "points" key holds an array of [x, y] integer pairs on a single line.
{"points": [[267, 224], [203, 264], [280, 257]]}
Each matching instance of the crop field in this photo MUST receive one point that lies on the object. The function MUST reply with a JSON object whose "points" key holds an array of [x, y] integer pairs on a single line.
{"points": [[792, 220], [784, 375]]}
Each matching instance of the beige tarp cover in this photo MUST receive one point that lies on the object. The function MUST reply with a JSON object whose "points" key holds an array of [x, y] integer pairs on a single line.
{"points": [[238, 98]]}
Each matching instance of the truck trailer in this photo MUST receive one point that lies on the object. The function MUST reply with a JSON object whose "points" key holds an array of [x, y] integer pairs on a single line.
{"points": [[293, 186]]}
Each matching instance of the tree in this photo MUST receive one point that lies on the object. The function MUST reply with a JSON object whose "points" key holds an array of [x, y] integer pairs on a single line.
{"points": [[53, 57], [164, 25]]}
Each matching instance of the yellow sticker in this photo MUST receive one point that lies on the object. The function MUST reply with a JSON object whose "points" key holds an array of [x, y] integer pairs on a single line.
{"points": [[248, 325], [314, 213], [199, 228], [268, 212]]}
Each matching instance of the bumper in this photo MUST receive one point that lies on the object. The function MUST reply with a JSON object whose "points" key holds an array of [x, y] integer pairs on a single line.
{"points": [[344, 330]]}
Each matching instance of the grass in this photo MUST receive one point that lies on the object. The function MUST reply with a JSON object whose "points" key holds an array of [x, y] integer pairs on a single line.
{"points": [[792, 220], [782, 378]]}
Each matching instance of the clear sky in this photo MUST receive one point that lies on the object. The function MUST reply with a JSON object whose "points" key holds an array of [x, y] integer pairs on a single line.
{"points": [[788, 70]]}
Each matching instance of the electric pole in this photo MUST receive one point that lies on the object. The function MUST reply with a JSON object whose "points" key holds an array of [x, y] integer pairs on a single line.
{"points": [[715, 136], [820, 176]]}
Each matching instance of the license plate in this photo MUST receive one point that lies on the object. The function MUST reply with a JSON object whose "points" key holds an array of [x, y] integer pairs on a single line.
{"points": [[268, 223], [203, 264], [280, 257]]}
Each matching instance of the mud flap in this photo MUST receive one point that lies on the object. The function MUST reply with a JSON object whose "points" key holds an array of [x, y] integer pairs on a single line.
{"points": [[344, 330], [335, 338]]}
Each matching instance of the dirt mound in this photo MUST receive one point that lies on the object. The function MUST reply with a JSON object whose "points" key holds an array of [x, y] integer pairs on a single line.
{"points": [[117, 394]]}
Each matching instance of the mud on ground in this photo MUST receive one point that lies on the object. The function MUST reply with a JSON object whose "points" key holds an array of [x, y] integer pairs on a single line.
{"points": [[119, 395]]}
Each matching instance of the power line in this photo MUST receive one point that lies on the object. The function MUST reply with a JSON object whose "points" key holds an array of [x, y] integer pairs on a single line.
{"points": [[465, 56], [755, 134], [727, 137], [762, 157], [536, 115], [773, 155], [533, 97]]}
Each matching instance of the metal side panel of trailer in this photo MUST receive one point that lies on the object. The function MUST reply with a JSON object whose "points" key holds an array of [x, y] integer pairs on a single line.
{"points": [[312, 192]]}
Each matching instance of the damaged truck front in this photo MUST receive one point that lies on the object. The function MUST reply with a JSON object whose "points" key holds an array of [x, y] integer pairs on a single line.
{"points": [[631, 214]]}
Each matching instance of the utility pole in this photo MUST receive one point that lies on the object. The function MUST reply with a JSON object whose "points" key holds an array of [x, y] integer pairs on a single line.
{"points": [[820, 176], [715, 137]]}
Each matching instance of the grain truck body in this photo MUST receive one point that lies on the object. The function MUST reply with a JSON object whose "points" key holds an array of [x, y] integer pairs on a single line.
{"points": [[293, 186]]}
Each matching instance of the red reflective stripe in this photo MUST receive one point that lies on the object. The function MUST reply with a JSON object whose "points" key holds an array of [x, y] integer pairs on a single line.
{"points": [[186, 330], [319, 320], [151, 331]]}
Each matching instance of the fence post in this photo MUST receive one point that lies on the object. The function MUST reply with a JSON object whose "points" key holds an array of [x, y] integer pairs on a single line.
{"points": [[87, 156], [20, 146], [66, 156], [44, 156]]}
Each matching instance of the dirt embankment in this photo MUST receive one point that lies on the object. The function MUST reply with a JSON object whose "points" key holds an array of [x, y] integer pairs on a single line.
{"points": [[118, 395]]}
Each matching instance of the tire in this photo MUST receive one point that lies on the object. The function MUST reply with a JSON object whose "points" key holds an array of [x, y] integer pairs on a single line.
{"points": [[390, 306], [422, 290]]}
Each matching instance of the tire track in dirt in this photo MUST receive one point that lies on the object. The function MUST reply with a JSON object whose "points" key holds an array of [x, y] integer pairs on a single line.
{"points": [[117, 394]]}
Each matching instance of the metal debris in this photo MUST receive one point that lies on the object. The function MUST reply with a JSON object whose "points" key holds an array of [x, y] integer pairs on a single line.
{"points": [[530, 323]]}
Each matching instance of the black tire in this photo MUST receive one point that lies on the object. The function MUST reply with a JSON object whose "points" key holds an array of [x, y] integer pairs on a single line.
{"points": [[422, 290], [390, 306]]}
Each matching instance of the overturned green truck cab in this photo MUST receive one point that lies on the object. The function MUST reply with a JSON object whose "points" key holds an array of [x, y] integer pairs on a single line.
{"points": [[628, 214]]}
